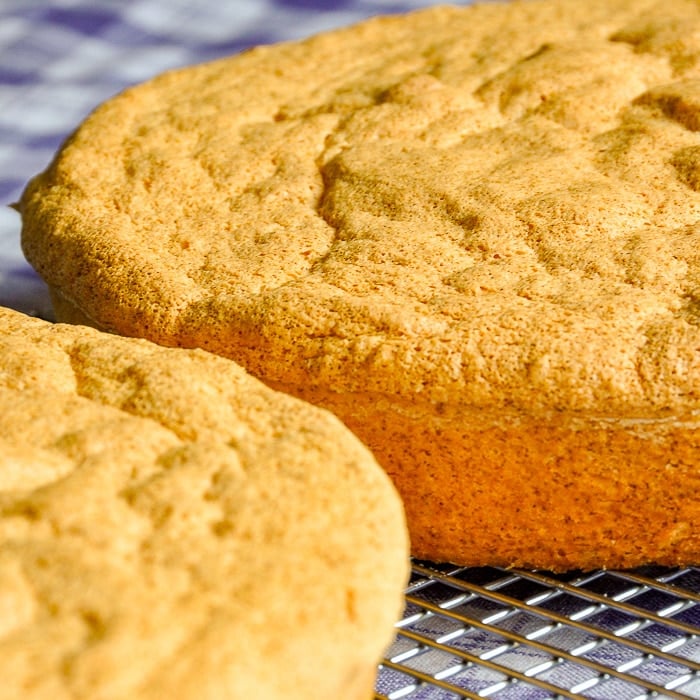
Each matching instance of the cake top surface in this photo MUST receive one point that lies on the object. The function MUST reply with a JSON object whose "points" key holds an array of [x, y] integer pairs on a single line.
{"points": [[494, 205], [169, 527]]}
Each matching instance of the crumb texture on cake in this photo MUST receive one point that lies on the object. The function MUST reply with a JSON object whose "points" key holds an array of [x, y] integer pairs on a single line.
{"points": [[171, 528], [498, 203]]}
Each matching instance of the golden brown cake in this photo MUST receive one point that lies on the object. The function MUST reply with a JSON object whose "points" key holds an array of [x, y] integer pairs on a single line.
{"points": [[471, 232], [172, 528]]}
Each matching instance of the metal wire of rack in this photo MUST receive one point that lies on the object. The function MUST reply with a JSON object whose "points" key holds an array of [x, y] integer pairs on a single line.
{"points": [[530, 635]]}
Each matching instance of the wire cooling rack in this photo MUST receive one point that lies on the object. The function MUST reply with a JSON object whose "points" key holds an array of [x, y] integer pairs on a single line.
{"points": [[523, 635]]}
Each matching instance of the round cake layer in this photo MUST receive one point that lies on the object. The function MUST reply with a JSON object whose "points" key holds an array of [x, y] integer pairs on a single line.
{"points": [[493, 205], [171, 528], [490, 211]]}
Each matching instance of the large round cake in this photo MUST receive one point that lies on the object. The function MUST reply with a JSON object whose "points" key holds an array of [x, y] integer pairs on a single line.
{"points": [[471, 232], [171, 528]]}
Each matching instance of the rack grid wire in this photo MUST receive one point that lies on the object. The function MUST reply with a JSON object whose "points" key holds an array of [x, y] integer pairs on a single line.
{"points": [[510, 634]]}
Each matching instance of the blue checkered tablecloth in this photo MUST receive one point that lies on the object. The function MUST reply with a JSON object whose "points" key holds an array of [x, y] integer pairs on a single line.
{"points": [[60, 58]]}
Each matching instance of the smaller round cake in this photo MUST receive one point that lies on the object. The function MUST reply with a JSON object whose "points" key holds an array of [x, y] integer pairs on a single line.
{"points": [[171, 528]]}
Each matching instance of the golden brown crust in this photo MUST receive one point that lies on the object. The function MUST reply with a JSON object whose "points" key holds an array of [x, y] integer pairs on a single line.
{"points": [[476, 202], [492, 208], [169, 527]]}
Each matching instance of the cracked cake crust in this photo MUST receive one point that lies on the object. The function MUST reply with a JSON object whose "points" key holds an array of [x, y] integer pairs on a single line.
{"points": [[170, 527]]}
